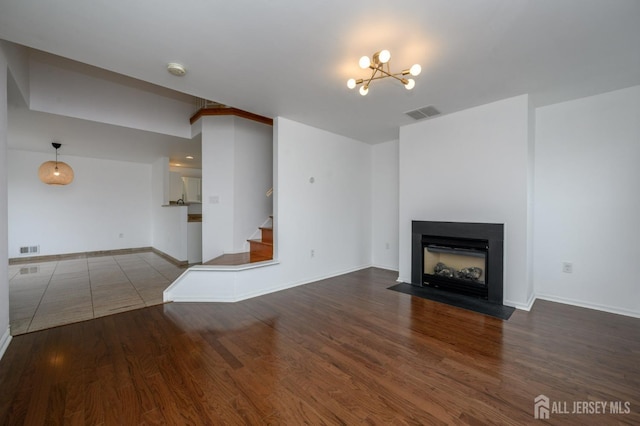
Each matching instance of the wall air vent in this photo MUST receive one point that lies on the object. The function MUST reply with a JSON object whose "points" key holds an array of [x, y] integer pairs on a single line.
{"points": [[424, 112], [29, 249]]}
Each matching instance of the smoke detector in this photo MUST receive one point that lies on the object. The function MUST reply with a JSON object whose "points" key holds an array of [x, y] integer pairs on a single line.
{"points": [[176, 69]]}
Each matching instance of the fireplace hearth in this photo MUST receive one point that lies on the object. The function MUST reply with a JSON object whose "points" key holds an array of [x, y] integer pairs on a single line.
{"points": [[459, 257]]}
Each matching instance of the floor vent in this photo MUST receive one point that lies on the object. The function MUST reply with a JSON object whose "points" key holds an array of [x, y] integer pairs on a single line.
{"points": [[424, 112], [30, 270]]}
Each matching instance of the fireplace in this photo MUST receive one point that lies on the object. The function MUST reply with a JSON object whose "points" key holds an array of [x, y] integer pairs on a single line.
{"points": [[460, 257]]}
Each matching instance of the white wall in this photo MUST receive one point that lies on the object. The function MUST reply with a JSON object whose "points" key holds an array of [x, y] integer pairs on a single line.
{"points": [[217, 186], [169, 232], [332, 215], [18, 63], [531, 142], [237, 170], [106, 199], [588, 201], [5, 336], [471, 166], [384, 205], [68, 88]]}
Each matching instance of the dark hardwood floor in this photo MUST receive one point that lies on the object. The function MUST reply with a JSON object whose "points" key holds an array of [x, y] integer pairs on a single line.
{"points": [[340, 351]]}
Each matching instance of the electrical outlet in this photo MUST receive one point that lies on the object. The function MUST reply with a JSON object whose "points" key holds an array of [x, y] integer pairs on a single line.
{"points": [[121, 235], [567, 267], [313, 253], [386, 246]]}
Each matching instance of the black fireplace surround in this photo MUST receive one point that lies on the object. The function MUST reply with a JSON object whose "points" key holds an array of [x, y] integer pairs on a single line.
{"points": [[484, 241]]}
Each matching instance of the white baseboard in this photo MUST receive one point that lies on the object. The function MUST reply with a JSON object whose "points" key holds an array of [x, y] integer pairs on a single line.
{"points": [[386, 267], [522, 306], [230, 297], [518, 305], [588, 305], [4, 341]]}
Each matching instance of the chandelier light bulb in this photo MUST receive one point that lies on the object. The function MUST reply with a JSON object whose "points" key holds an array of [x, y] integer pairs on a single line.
{"points": [[384, 56], [351, 83], [364, 90], [364, 62], [411, 83], [415, 69]]}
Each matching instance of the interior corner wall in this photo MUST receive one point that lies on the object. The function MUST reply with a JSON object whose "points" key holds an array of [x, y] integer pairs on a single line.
{"points": [[237, 171], [218, 165], [5, 336], [253, 155], [323, 209], [18, 64], [106, 199], [531, 140], [587, 189], [384, 205], [470, 166]]}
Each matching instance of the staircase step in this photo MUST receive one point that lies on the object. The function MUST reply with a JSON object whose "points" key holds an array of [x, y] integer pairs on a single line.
{"points": [[260, 250], [230, 259], [267, 234]]}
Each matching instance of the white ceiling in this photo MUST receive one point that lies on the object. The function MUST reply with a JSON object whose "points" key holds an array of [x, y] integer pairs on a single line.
{"points": [[292, 58]]}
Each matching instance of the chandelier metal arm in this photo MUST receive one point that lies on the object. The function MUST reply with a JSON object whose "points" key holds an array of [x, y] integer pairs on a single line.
{"points": [[380, 77], [388, 74], [373, 75]]}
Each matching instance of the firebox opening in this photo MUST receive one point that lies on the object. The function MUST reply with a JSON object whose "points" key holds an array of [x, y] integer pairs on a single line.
{"points": [[455, 264], [460, 257], [467, 265]]}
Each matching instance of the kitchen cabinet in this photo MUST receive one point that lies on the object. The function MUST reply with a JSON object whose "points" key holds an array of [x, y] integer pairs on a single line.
{"points": [[176, 186], [192, 189]]}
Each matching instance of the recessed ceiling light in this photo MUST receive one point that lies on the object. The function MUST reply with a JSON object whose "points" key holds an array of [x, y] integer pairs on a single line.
{"points": [[189, 157], [176, 69], [177, 164]]}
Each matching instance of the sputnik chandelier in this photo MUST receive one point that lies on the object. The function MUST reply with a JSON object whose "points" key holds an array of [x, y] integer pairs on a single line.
{"points": [[379, 64]]}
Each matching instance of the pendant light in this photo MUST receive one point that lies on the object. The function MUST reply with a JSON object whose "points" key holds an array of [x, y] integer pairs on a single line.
{"points": [[55, 172]]}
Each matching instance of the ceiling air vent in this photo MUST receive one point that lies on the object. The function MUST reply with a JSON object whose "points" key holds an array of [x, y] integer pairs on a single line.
{"points": [[424, 112]]}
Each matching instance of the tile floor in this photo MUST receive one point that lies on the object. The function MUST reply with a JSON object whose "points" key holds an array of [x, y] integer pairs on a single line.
{"points": [[47, 294]]}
